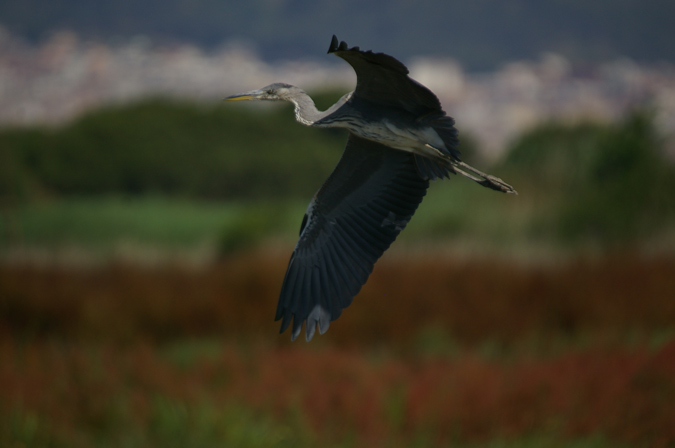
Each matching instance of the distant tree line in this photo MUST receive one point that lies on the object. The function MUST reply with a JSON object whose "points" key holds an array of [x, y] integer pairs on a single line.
{"points": [[604, 182], [169, 147], [607, 182]]}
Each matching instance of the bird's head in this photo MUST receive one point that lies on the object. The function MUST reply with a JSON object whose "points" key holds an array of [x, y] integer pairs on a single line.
{"points": [[274, 92]]}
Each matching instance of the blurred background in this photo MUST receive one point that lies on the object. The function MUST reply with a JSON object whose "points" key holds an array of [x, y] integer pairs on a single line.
{"points": [[145, 228]]}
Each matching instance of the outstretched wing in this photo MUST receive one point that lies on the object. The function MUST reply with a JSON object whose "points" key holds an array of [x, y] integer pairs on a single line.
{"points": [[384, 80], [354, 217]]}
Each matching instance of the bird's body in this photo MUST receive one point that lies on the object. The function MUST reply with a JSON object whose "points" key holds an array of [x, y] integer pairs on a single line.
{"points": [[400, 138]]}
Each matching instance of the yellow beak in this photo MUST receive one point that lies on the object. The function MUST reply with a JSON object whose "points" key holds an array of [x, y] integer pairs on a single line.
{"points": [[252, 95], [238, 98]]}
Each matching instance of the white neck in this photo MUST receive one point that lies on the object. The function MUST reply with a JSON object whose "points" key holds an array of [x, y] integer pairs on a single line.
{"points": [[305, 109]]}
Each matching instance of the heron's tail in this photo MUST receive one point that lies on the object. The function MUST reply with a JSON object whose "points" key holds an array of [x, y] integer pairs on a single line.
{"points": [[481, 178], [440, 167]]}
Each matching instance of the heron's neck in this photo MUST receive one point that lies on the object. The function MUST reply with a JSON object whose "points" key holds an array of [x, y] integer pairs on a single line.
{"points": [[305, 109]]}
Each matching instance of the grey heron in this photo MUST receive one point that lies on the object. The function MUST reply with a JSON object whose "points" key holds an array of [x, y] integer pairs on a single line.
{"points": [[399, 139]]}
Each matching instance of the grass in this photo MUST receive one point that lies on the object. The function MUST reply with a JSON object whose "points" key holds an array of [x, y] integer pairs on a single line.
{"points": [[80, 395], [623, 298], [170, 423], [105, 224], [460, 208], [455, 210], [435, 352], [457, 213], [94, 221], [179, 424]]}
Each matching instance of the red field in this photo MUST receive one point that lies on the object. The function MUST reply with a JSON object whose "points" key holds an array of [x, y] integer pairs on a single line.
{"points": [[433, 351]]}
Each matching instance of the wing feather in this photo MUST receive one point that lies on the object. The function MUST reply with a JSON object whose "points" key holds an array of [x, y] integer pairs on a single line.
{"points": [[354, 263], [354, 217], [340, 283], [384, 80]]}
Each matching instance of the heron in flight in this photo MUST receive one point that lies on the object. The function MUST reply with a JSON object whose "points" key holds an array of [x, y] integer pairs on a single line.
{"points": [[399, 139]]}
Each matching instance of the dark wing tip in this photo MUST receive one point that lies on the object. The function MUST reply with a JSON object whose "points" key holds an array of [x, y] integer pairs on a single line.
{"points": [[341, 49], [333, 45], [336, 45]]}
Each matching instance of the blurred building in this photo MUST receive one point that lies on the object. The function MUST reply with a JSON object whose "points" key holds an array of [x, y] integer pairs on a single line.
{"points": [[65, 76]]}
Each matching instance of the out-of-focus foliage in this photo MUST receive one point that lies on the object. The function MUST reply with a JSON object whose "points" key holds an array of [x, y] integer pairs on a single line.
{"points": [[170, 147], [434, 352], [249, 228], [608, 183], [589, 182], [408, 303]]}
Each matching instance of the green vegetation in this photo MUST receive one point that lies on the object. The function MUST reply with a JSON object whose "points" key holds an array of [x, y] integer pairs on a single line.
{"points": [[161, 146], [170, 423], [177, 424], [439, 351], [93, 222], [609, 183], [164, 172], [150, 221], [103, 395]]}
